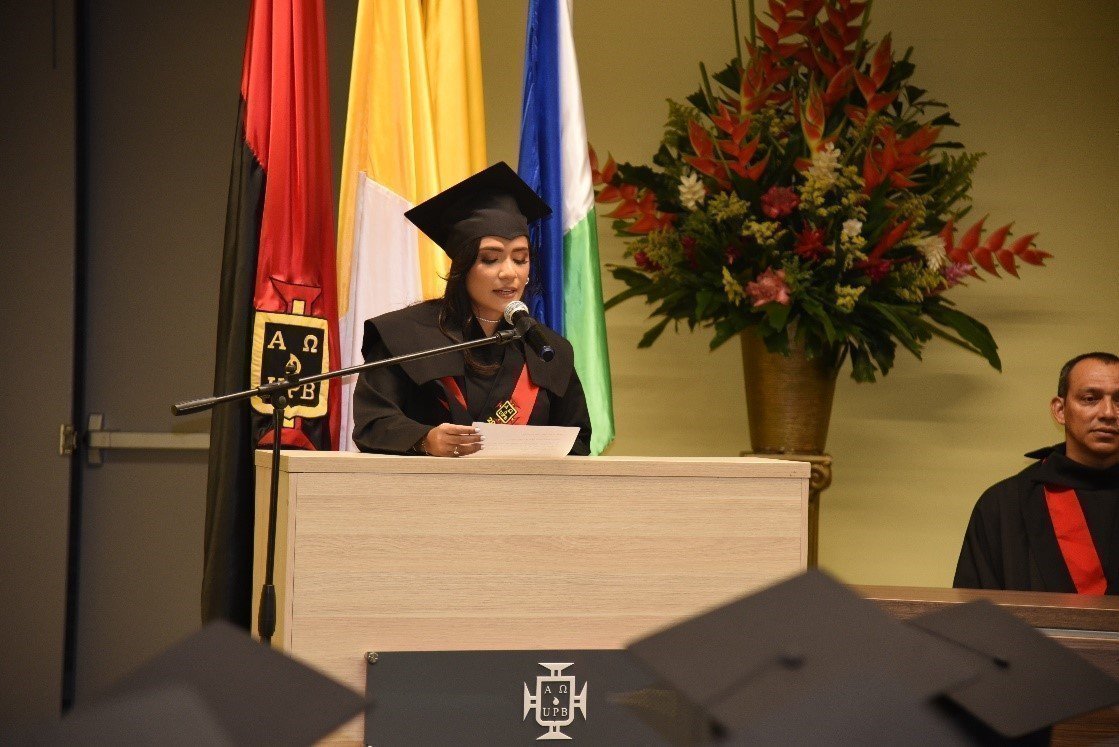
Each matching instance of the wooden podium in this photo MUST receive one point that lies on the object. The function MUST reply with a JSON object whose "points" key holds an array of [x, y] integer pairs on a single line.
{"points": [[382, 553]]}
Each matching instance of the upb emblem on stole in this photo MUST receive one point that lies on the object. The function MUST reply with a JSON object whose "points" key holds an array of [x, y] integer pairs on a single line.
{"points": [[555, 701], [296, 342]]}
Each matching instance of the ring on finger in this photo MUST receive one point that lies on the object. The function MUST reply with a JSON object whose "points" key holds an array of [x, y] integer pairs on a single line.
{"points": [[455, 452]]}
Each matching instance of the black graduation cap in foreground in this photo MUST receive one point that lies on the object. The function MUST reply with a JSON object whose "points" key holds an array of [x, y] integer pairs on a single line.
{"points": [[216, 687], [859, 710], [1029, 681], [172, 715], [493, 202], [769, 663]]}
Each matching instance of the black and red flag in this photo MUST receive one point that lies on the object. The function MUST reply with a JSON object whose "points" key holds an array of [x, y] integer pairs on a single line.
{"points": [[278, 308]]}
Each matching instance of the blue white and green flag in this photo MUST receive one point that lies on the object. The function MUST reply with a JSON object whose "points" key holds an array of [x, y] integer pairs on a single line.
{"points": [[554, 161]]}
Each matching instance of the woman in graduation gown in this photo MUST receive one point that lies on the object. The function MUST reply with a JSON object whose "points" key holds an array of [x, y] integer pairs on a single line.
{"points": [[427, 406]]}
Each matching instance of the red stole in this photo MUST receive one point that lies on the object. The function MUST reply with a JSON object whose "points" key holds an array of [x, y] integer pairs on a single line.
{"points": [[1075, 541], [514, 411]]}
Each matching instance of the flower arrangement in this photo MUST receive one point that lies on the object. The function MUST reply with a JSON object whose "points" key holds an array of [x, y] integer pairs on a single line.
{"points": [[805, 190]]}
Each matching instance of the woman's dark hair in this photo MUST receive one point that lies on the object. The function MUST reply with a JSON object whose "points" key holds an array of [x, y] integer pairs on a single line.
{"points": [[456, 311]]}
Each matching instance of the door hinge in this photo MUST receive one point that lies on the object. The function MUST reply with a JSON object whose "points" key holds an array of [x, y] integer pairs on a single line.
{"points": [[67, 439]]}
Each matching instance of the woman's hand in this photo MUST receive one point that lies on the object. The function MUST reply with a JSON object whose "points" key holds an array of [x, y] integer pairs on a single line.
{"points": [[449, 440]]}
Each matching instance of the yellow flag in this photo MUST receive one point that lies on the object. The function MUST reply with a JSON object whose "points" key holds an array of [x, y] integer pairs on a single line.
{"points": [[414, 127], [454, 65]]}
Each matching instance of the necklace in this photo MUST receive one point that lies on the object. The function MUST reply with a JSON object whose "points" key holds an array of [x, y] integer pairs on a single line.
{"points": [[483, 319]]}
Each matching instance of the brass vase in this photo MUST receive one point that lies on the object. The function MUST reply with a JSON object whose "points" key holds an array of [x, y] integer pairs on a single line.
{"points": [[788, 398]]}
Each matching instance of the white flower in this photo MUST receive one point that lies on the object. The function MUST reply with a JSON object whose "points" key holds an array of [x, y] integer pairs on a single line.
{"points": [[932, 247], [692, 191], [825, 164], [852, 229]]}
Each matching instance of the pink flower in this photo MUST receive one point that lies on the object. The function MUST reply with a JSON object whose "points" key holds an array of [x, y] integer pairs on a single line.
{"points": [[769, 287], [955, 272], [778, 202], [810, 243], [643, 262]]}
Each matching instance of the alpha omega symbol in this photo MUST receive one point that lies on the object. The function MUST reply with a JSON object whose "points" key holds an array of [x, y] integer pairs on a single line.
{"points": [[555, 701], [292, 342]]}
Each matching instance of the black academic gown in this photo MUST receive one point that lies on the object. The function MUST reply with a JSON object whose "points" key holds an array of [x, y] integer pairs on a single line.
{"points": [[1010, 542], [395, 406]]}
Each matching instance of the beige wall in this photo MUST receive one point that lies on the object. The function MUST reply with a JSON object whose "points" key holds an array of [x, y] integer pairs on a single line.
{"points": [[1034, 84]]}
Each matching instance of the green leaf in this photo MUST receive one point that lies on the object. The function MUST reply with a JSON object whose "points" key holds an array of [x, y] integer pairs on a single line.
{"points": [[902, 329], [944, 119], [724, 330], [776, 315], [630, 275], [651, 336], [625, 295], [730, 77], [862, 369], [971, 330], [698, 100], [663, 157], [704, 300], [817, 312], [913, 94], [883, 351]]}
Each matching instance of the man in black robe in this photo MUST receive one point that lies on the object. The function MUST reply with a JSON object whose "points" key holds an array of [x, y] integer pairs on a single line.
{"points": [[1055, 525]]}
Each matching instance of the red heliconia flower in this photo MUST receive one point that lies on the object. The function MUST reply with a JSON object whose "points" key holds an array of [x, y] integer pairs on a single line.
{"points": [[810, 243], [606, 175], [893, 160], [787, 25], [732, 123], [705, 161], [626, 194], [841, 20], [813, 119], [760, 79], [890, 237], [839, 85], [871, 84], [777, 202], [992, 250]]}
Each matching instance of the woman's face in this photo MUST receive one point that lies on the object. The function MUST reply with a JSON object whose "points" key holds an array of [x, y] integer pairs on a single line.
{"points": [[499, 275]]}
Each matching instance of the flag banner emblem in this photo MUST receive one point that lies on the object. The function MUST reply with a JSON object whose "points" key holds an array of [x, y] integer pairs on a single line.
{"points": [[290, 344]]}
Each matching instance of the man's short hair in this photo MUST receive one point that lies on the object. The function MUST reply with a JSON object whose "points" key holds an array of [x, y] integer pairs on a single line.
{"points": [[1062, 380]]}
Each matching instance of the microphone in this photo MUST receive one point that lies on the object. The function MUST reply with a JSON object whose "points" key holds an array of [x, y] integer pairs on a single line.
{"points": [[516, 313]]}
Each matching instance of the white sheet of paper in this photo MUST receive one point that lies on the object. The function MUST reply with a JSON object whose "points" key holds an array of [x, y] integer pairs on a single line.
{"points": [[505, 441]]}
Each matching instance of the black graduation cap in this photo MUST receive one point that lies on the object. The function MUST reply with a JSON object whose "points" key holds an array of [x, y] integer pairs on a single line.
{"points": [[771, 652], [859, 710], [1028, 681], [216, 687], [172, 715], [493, 202]]}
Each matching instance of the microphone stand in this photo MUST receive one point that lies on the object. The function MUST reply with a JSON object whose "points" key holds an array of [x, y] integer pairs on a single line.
{"points": [[277, 393]]}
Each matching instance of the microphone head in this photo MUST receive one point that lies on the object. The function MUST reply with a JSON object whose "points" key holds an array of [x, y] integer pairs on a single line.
{"points": [[512, 308]]}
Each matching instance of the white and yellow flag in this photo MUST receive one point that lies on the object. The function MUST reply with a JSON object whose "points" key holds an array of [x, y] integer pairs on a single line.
{"points": [[415, 126]]}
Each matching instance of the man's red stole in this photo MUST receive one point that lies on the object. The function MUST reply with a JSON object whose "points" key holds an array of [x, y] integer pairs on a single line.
{"points": [[1075, 541], [514, 411]]}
